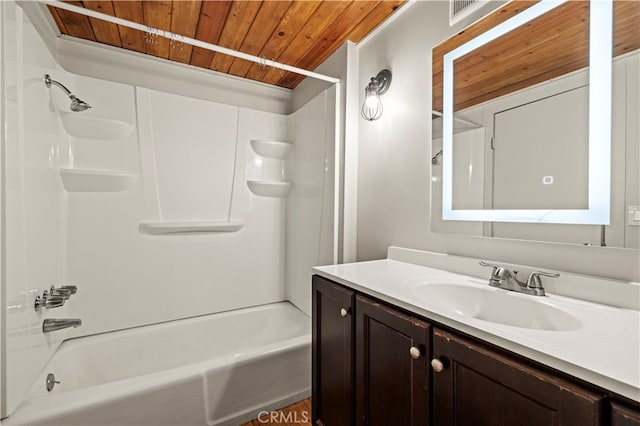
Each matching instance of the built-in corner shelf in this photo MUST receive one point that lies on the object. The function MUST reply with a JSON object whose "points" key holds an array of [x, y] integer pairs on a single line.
{"points": [[265, 188], [89, 180], [82, 125], [158, 228], [271, 149]]}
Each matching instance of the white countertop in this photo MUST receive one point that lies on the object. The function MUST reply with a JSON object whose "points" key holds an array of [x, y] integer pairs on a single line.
{"points": [[604, 350]]}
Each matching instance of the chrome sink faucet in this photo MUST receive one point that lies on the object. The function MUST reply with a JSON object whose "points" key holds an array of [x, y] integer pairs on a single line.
{"points": [[504, 278], [51, 324]]}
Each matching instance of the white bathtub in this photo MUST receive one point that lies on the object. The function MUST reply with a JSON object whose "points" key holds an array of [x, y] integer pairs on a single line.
{"points": [[220, 369]]}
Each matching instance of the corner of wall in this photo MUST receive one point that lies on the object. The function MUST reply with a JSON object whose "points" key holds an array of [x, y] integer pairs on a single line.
{"points": [[350, 156], [3, 403]]}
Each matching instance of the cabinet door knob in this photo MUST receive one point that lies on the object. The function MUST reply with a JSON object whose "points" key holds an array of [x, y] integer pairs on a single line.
{"points": [[344, 312], [414, 352], [437, 365]]}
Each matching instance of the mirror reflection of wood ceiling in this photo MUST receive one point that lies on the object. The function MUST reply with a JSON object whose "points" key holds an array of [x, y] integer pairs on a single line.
{"points": [[300, 33], [548, 47]]}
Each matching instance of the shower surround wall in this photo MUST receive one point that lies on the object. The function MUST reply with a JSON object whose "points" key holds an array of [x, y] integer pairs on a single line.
{"points": [[184, 160], [34, 209]]}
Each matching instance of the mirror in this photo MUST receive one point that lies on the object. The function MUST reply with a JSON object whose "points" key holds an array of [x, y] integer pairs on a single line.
{"points": [[523, 147]]}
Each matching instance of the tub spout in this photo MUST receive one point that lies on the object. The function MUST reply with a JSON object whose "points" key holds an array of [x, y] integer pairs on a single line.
{"points": [[51, 324]]}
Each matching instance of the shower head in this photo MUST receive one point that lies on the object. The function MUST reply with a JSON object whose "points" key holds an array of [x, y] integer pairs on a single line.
{"points": [[77, 104], [434, 159]]}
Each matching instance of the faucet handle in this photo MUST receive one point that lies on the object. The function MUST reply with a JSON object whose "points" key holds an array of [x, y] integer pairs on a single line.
{"points": [[65, 291], [492, 265], [72, 289], [534, 278]]}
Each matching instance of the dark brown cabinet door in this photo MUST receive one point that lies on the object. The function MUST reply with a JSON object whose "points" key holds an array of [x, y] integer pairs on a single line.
{"points": [[392, 351], [624, 416], [478, 386], [332, 346]]}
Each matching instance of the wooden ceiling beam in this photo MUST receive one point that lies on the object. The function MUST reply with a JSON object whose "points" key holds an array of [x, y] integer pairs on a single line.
{"points": [[76, 25], [310, 33], [261, 30], [157, 14], [131, 11], [321, 51], [289, 26], [239, 20], [332, 38], [213, 15], [184, 21], [58, 20], [105, 32]]}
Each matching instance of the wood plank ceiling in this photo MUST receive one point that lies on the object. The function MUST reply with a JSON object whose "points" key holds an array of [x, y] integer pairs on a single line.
{"points": [[301, 33]]}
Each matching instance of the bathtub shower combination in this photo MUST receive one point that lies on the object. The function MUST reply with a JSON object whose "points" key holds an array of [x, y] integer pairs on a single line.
{"points": [[219, 369], [158, 237]]}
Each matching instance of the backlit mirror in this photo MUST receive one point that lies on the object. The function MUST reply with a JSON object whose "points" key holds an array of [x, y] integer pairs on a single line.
{"points": [[523, 147]]}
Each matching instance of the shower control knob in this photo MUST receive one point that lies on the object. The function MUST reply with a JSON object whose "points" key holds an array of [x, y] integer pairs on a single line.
{"points": [[437, 365], [344, 312], [414, 352]]}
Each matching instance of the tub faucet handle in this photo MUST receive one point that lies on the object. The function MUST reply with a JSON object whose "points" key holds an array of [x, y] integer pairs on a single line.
{"points": [[48, 300], [65, 291]]}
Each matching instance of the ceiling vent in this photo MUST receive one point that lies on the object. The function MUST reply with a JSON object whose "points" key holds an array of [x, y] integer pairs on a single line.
{"points": [[459, 9]]}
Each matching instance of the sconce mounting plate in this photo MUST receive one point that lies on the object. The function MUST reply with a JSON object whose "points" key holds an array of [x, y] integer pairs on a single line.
{"points": [[384, 81]]}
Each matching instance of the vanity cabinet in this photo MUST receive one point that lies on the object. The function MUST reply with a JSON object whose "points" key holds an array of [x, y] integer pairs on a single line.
{"points": [[392, 378], [480, 386], [333, 354], [376, 364], [391, 352], [624, 416]]}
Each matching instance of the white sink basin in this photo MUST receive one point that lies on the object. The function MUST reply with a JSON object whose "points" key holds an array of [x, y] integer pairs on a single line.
{"points": [[497, 306]]}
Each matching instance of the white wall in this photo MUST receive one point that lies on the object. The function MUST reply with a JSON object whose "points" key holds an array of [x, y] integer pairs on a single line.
{"points": [[393, 152], [342, 64], [3, 392], [190, 166], [33, 204], [394, 162], [310, 204]]}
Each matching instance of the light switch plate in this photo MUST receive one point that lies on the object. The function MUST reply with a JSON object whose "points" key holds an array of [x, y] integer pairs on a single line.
{"points": [[633, 216]]}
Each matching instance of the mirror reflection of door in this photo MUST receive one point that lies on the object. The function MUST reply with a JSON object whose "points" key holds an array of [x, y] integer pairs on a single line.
{"points": [[542, 159]]}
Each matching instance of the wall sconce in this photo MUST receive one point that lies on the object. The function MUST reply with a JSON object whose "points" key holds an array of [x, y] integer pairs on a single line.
{"points": [[372, 106]]}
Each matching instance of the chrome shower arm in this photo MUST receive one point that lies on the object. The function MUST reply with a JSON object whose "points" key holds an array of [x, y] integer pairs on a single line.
{"points": [[49, 81], [76, 103]]}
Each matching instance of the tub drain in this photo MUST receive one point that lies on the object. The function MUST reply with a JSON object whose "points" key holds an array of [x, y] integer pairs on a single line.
{"points": [[51, 381]]}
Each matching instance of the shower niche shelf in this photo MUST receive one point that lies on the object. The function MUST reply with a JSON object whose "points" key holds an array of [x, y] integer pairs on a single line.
{"points": [[188, 227], [265, 188], [271, 149], [89, 180], [91, 127]]}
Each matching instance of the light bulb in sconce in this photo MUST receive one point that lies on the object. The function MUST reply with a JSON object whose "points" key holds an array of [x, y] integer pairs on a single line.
{"points": [[372, 106]]}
